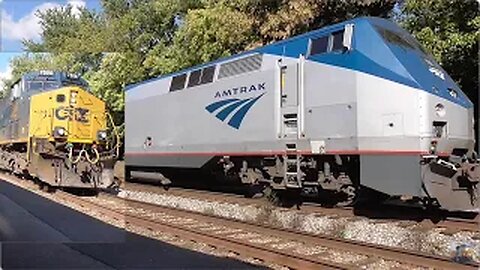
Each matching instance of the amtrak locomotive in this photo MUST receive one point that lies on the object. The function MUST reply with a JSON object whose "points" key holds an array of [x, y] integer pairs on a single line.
{"points": [[353, 108]]}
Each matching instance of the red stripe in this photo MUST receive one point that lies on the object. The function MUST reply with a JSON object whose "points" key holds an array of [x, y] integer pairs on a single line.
{"points": [[256, 153], [270, 153]]}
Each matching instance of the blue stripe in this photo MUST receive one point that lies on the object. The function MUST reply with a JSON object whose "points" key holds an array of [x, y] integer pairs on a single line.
{"points": [[214, 106], [222, 115], [264, 49], [240, 114], [371, 55]]}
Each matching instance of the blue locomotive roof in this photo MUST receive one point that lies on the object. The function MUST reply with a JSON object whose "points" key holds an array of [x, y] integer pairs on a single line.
{"points": [[47, 75], [263, 49], [381, 48]]}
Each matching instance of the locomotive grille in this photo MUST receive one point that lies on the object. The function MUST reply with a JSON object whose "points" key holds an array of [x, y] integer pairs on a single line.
{"points": [[244, 65]]}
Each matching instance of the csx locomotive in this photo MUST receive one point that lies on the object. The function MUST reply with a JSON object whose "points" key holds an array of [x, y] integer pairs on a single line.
{"points": [[354, 108], [54, 130]]}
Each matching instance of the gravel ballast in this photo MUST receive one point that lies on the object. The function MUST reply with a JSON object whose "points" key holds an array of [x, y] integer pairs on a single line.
{"points": [[393, 234]]}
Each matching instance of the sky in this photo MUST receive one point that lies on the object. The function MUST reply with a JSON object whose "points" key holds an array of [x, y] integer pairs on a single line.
{"points": [[19, 22]]}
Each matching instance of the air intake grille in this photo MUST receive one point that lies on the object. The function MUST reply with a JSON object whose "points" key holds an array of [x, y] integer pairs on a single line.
{"points": [[247, 64]]}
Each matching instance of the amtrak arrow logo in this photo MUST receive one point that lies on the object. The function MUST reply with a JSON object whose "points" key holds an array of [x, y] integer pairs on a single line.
{"points": [[236, 107]]}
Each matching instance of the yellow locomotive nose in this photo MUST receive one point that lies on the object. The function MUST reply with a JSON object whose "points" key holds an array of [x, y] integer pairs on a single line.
{"points": [[68, 114]]}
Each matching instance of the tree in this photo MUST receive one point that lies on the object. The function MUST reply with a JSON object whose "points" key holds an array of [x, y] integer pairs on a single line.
{"points": [[63, 31], [450, 30], [23, 64], [218, 28], [115, 71], [91, 43], [299, 16], [206, 34]]}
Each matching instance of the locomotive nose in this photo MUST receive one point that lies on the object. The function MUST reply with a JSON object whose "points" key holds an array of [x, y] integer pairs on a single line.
{"points": [[454, 186], [439, 83]]}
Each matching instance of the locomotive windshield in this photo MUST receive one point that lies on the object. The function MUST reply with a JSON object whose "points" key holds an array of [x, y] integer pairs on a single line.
{"points": [[45, 80], [73, 80], [401, 40]]}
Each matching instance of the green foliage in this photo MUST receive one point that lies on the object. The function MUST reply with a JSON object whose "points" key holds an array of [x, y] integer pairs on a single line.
{"points": [[65, 32], [206, 34], [450, 30], [26, 63], [299, 16], [218, 28], [108, 48], [115, 71]]}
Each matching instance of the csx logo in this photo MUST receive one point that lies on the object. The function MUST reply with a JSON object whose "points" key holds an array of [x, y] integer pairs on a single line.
{"points": [[77, 114]]}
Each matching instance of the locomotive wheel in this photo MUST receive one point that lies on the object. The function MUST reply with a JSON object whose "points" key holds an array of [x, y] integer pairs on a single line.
{"points": [[45, 187], [49, 189], [40, 185], [252, 190], [249, 192]]}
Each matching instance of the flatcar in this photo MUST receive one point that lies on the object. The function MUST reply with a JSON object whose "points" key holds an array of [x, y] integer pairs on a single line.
{"points": [[52, 129], [352, 108]]}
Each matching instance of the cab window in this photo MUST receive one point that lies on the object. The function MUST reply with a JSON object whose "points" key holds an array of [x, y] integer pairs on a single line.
{"points": [[332, 42], [319, 45], [34, 86], [337, 41], [50, 85]]}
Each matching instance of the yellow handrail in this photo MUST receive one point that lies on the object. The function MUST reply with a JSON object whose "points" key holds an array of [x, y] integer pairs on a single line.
{"points": [[116, 134]]}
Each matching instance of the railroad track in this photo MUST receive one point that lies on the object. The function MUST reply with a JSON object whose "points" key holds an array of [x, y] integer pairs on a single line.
{"points": [[237, 237], [261, 242], [451, 224], [456, 223]]}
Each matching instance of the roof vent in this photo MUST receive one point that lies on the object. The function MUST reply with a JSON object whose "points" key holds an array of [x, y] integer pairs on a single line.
{"points": [[244, 65]]}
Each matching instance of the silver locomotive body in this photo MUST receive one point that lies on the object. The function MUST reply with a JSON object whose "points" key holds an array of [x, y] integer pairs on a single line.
{"points": [[351, 106]]}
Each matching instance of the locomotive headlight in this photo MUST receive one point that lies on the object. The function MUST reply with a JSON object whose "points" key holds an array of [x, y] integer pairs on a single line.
{"points": [[440, 110], [59, 132], [102, 135]]}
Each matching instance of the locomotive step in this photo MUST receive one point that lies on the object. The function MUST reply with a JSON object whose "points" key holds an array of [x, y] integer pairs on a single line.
{"points": [[310, 183], [292, 185]]}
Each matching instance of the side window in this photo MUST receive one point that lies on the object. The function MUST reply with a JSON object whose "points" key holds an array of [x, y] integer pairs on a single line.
{"points": [[330, 43], [319, 45], [201, 76], [337, 44], [207, 75], [194, 78], [178, 82]]}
